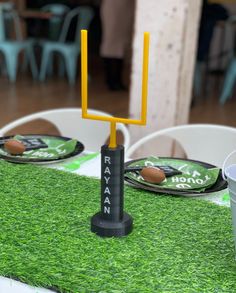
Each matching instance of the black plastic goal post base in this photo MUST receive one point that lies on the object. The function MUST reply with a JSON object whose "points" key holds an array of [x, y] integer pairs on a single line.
{"points": [[112, 220]]}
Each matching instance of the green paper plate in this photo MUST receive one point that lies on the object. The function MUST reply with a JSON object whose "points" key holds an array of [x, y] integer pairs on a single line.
{"points": [[59, 148], [219, 184]]}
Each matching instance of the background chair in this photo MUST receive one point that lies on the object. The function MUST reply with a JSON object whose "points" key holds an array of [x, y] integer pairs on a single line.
{"points": [[229, 81], [204, 142], [69, 122], [68, 50], [58, 12], [11, 48], [55, 23], [211, 16], [230, 75]]}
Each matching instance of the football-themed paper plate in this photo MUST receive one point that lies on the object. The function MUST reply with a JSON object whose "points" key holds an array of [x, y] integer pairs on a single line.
{"points": [[183, 176], [42, 148]]}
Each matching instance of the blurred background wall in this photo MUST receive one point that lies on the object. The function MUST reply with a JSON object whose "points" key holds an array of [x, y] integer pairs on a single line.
{"points": [[173, 25]]}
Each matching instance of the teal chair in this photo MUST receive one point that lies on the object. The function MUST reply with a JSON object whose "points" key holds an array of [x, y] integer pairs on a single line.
{"points": [[9, 48], [230, 75], [58, 12], [68, 50], [198, 78], [229, 82]]}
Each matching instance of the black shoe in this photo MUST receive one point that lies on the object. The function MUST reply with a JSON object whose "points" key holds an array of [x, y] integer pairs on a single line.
{"points": [[116, 86], [113, 72]]}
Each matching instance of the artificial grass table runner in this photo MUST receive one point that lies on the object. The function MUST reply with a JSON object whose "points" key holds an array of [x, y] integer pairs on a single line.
{"points": [[177, 245]]}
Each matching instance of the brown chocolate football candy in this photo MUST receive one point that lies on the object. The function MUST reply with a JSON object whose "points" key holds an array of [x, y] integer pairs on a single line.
{"points": [[14, 147], [153, 175]]}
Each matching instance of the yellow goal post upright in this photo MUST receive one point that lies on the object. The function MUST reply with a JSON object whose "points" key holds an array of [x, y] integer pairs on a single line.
{"points": [[84, 89]]}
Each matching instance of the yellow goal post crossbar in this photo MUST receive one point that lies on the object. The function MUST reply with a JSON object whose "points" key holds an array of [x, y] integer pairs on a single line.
{"points": [[84, 89]]}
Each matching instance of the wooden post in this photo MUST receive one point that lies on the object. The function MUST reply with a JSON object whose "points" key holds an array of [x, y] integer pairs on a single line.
{"points": [[20, 6], [173, 25]]}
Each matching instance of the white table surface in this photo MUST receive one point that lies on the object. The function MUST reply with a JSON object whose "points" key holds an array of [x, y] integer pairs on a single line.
{"points": [[11, 286]]}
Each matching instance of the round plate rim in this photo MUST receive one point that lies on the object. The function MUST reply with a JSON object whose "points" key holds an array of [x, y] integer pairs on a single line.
{"points": [[175, 191], [79, 148]]}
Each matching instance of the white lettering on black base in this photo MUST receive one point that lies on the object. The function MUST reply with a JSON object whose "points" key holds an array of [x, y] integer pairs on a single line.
{"points": [[107, 201]]}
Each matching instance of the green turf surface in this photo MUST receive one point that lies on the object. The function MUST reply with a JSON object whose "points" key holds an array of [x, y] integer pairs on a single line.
{"points": [[177, 245]]}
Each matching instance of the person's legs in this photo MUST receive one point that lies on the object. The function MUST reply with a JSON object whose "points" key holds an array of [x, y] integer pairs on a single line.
{"points": [[119, 66], [116, 21], [113, 73]]}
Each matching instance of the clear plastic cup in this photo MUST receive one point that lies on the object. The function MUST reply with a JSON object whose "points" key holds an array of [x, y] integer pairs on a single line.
{"points": [[229, 174]]}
